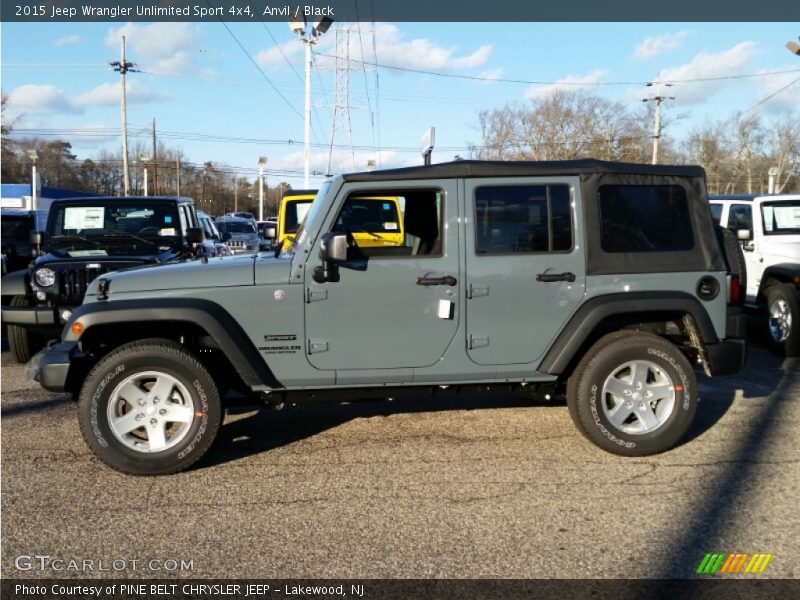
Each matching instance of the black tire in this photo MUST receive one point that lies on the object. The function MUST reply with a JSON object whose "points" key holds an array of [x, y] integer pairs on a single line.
{"points": [[734, 255], [192, 382], [21, 341], [586, 399], [783, 297]]}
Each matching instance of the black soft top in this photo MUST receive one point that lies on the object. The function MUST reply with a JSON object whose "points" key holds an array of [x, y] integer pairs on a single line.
{"points": [[487, 168]]}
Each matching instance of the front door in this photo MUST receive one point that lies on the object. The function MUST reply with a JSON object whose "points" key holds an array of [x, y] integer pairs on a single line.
{"points": [[525, 266], [391, 307]]}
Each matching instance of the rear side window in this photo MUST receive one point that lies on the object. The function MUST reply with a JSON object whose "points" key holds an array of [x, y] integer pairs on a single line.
{"points": [[523, 219], [740, 217], [644, 218]]}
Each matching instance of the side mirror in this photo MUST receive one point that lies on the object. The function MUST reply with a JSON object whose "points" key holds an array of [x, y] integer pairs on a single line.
{"points": [[226, 236], [744, 235], [270, 232], [332, 249], [194, 235], [35, 238]]}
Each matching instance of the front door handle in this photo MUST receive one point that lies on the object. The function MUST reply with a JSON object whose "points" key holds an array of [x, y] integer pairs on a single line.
{"points": [[552, 277], [446, 280]]}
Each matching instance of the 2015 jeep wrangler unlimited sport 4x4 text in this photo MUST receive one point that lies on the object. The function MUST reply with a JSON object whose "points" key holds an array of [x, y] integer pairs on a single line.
{"points": [[603, 279]]}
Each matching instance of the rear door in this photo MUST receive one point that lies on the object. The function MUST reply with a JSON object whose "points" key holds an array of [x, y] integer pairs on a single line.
{"points": [[525, 266]]}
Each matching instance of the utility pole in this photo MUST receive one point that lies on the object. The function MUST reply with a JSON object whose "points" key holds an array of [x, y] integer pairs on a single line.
{"points": [[122, 66], [658, 99], [177, 175], [155, 161], [262, 160], [319, 28]]}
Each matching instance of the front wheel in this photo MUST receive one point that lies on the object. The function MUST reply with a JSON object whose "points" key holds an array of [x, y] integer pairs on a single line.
{"points": [[149, 408], [21, 341], [633, 394], [783, 310]]}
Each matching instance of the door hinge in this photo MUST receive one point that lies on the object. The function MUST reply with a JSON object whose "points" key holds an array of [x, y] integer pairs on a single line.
{"points": [[315, 295], [315, 346], [478, 342], [474, 291]]}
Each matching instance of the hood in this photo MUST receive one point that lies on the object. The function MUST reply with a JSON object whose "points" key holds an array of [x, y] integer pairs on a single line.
{"points": [[784, 247], [222, 271]]}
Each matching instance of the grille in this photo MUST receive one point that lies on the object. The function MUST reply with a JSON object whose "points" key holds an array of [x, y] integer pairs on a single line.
{"points": [[72, 283]]}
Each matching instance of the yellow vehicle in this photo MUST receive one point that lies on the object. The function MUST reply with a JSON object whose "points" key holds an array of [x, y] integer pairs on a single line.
{"points": [[374, 221]]}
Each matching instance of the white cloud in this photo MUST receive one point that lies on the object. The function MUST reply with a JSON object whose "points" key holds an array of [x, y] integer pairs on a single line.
{"points": [[784, 99], [67, 39], [273, 57], [733, 61], [392, 48], [653, 46], [490, 76], [107, 94], [39, 99], [341, 162], [568, 83], [162, 47]]}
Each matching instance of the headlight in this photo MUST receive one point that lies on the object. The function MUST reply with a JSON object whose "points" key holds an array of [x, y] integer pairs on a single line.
{"points": [[45, 277]]}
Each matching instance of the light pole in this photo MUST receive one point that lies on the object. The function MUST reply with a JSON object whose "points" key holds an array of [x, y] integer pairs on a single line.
{"points": [[34, 156], [319, 28], [262, 160], [144, 158]]}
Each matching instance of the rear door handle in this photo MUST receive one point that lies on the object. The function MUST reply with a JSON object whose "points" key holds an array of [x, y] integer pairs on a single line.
{"points": [[552, 277], [446, 280]]}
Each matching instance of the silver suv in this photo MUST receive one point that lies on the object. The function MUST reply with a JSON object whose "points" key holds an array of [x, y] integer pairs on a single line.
{"points": [[601, 281], [240, 234]]}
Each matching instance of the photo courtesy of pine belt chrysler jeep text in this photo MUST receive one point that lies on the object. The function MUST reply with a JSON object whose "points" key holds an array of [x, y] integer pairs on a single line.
{"points": [[605, 280]]}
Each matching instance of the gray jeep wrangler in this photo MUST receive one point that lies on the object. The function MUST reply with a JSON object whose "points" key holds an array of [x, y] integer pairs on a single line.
{"points": [[603, 280]]}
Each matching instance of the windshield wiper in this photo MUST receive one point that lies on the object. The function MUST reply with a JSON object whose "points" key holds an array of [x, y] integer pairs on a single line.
{"points": [[131, 236], [73, 238], [357, 230]]}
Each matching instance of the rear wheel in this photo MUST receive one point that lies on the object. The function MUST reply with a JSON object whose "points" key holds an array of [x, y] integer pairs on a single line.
{"points": [[21, 341], [633, 394], [149, 408], [783, 319]]}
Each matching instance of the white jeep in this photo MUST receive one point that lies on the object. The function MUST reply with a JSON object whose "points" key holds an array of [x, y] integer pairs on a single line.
{"points": [[769, 230]]}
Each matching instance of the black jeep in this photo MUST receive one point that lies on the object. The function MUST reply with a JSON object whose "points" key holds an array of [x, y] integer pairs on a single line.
{"points": [[85, 238]]}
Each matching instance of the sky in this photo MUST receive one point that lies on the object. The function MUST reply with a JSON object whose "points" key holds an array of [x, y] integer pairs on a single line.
{"points": [[232, 94]]}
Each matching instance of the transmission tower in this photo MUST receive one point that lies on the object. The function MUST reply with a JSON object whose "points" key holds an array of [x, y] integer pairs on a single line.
{"points": [[342, 128]]}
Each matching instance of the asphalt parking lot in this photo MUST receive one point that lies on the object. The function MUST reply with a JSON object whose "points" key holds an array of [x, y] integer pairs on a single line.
{"points": [[470, 487]]}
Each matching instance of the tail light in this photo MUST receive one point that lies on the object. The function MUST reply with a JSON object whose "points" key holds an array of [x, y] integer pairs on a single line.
{"points": [[734, 290]]}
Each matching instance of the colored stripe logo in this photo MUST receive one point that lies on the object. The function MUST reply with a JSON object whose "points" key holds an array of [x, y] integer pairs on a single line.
{"points": [[719, 563]]}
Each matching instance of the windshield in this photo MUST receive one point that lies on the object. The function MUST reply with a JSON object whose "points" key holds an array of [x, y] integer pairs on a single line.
{"points": [[295, 213], [781, 217], [369, 214], [236, 227], [116, 226], [311, 215]]}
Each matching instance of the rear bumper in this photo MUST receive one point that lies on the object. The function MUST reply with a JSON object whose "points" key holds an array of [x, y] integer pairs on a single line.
{"points": [[727, 357], [50, 367]]}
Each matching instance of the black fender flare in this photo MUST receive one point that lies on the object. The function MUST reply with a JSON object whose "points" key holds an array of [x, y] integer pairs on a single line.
{"points": [[215, 320], [785, 272], [15, 283], [594, 310]]}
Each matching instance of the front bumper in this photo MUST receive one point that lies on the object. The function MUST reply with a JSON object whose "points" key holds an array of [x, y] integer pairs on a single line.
{"points": [[50, 367], [29, 315]]}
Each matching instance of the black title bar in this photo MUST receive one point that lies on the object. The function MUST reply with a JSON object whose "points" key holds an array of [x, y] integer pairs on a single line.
{"points": [[43, 11]]}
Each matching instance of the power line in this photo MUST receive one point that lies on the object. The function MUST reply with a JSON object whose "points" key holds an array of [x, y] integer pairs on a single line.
{"points": [[566, 83], [257, 66]]}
